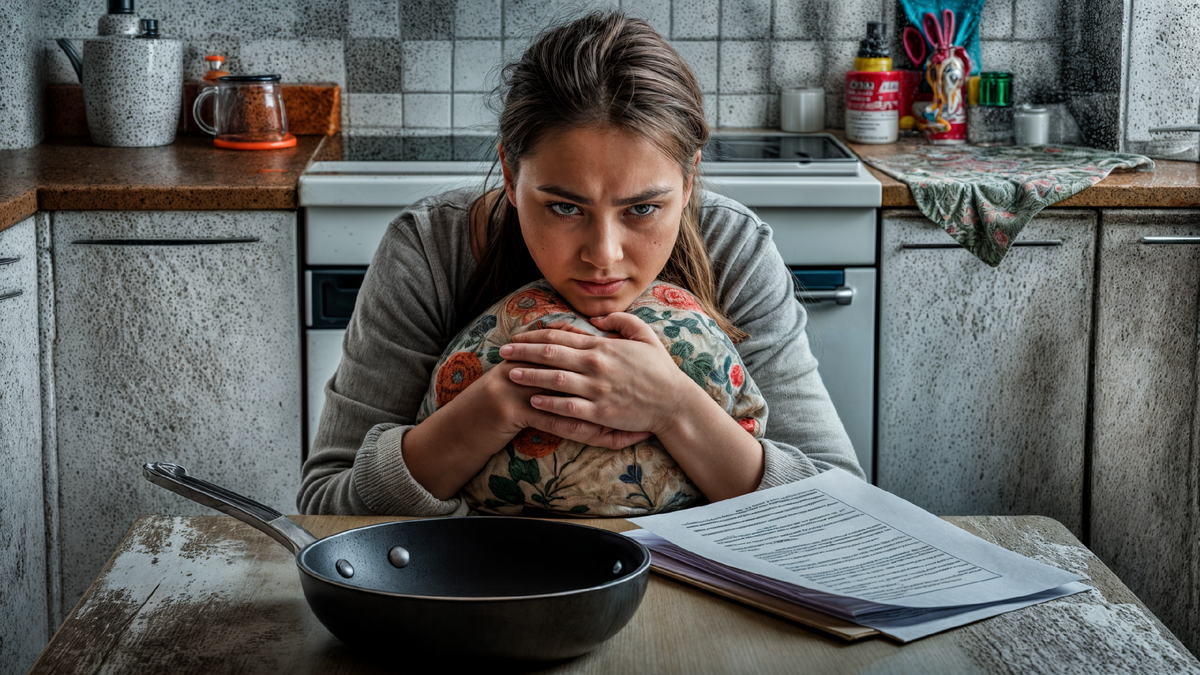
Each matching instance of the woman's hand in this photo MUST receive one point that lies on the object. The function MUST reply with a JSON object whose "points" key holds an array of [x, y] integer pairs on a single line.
{"points": [[633, 383], [512, 411], [453, 444], [630, 383]]}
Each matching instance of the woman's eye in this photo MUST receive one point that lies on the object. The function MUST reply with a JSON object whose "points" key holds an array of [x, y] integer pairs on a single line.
{"points": [[643, 209], [563, 209]]}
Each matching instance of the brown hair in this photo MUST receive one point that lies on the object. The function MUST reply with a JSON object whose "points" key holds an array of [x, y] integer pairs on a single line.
{"points": [[610, 69]]}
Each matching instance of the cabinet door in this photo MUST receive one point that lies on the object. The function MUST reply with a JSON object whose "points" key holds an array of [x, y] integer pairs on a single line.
{"points": [[176, 342], [983, 371], [23, 623], [1144, 430]]}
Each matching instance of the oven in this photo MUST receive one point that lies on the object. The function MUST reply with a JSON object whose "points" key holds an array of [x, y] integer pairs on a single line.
{"points": [[824, 217]]}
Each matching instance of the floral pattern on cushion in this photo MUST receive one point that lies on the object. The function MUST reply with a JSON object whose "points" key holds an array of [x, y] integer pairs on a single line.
{"points": [[539, 472]]}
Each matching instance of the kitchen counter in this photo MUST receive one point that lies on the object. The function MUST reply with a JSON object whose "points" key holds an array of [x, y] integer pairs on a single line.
{"points": [[1171, 184], [210, 594], [72, 174]]}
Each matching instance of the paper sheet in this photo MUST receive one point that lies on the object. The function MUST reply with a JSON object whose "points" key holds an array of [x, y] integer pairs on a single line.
{"points": [[838, 544]]}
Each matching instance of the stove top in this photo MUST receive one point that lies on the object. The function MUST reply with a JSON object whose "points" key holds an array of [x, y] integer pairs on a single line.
{"points": [[723, 149]]}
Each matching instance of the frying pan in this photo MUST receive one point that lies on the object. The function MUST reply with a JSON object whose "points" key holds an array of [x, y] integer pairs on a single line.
{"points": [[478, 587]]}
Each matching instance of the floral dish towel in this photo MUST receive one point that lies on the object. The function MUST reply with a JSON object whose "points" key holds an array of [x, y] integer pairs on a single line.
{"points": [[540, 472], [984, 196]]}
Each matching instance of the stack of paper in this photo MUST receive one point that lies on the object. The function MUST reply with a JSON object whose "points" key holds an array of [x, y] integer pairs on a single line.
{"points": [[839, 547]]}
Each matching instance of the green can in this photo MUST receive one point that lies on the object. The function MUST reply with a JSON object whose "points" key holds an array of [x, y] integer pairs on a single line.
{"points": [[995, 89]]}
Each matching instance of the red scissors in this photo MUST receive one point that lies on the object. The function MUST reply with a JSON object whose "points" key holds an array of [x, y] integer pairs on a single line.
{"points": [[940, 35]]}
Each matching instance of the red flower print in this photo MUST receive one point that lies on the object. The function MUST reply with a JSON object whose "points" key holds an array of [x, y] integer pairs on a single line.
{"points": [[1001, 239], [456, 374], [534, 443], [951, 230], [676, 297], [533, 304], [736, 376], [747, 424], [1053, 151]]}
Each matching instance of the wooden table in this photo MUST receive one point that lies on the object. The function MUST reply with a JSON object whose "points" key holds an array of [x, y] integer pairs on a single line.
{"points": [[212, 595]]}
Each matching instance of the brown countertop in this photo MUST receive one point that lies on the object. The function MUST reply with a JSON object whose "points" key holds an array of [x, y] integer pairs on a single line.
{"points": [[1171, 184], [72, 174]]}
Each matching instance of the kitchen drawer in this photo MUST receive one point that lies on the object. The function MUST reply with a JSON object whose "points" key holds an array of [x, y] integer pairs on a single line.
{"points": [[822, 236]]}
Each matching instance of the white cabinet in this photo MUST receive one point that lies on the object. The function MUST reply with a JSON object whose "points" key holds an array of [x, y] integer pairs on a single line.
{"points": [[983, 372], [177, 340], [24, 628], [1146, 419]]}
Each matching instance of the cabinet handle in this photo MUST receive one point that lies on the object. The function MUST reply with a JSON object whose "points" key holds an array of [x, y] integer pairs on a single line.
{"points": [[13, 294], [166, 242], [1170, 240], [1030, 242], [842, 296], [9, 261]]}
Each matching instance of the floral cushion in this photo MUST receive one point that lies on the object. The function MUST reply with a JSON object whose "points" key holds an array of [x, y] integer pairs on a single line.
{"points": [[538, 471]]}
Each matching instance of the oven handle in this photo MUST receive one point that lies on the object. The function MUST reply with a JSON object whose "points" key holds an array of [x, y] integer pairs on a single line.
{"points": [[1030, 242], [841, 296]]}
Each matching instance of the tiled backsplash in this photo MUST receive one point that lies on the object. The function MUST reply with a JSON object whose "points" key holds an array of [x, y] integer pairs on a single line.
{"points": [[430, 63]]}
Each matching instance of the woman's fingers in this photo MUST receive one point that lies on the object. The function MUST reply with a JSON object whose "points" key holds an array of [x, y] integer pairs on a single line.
{"points": [[585, 432], [556, 336], [561, 381], [629, 326], [559, 349]]}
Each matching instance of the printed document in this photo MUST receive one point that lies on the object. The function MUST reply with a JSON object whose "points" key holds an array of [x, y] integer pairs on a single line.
{"points": [[835, 543]]}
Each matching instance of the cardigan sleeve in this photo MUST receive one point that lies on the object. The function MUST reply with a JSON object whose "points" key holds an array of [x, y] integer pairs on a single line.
{"points": [[804, 434]]}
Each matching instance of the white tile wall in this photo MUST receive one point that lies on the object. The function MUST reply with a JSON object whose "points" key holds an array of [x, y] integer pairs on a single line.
{"points": [[996, 20], [476, 64], [427, 110], [426, 65], [1036, 19], [796, 64], [750, 110], [375, 110], [471, 112], [745, 67], [702, 57], [695, 19], [745, 19], [477, 18], [295, 60], [373, 18]]}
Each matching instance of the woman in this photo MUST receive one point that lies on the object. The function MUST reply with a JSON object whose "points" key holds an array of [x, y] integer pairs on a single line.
{"points": [[600, 140]]}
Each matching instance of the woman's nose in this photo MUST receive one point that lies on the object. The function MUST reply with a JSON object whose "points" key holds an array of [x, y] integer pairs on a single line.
{"points": [[603, 248]]}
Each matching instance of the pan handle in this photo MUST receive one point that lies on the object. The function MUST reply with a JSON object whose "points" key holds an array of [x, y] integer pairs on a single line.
{"points": [[260, 516]]}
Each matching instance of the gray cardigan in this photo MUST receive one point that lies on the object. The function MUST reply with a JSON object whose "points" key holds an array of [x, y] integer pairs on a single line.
{"points": [[406, 314]]}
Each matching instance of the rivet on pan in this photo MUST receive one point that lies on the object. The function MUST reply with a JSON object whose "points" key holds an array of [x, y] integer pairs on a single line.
{"points": [[398, 557], [344, 568], [617, 567]]}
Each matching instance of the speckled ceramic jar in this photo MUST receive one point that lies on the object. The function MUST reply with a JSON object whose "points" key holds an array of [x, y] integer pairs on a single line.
{"points": [[132, 90]]}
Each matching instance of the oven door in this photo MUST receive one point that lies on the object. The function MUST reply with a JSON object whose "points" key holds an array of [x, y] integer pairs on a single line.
{"points": [[329, 297], [841, 335]]}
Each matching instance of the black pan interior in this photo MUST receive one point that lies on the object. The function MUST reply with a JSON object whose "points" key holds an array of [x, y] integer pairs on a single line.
{"points": [[476, 557]]}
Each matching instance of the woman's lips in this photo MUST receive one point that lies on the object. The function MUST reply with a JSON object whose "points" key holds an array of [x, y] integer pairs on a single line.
{"points": [[602, 287]]}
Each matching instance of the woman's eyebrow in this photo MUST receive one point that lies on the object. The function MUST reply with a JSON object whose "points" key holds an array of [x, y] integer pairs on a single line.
{"points": [[642, 196]]}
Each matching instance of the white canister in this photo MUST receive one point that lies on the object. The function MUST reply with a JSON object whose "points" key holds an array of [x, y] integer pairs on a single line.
{"points": [[802, 109], [1031, 126]]}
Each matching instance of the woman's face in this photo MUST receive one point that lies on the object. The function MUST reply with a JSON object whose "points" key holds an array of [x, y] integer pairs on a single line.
{"points": [[600, 210]]}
